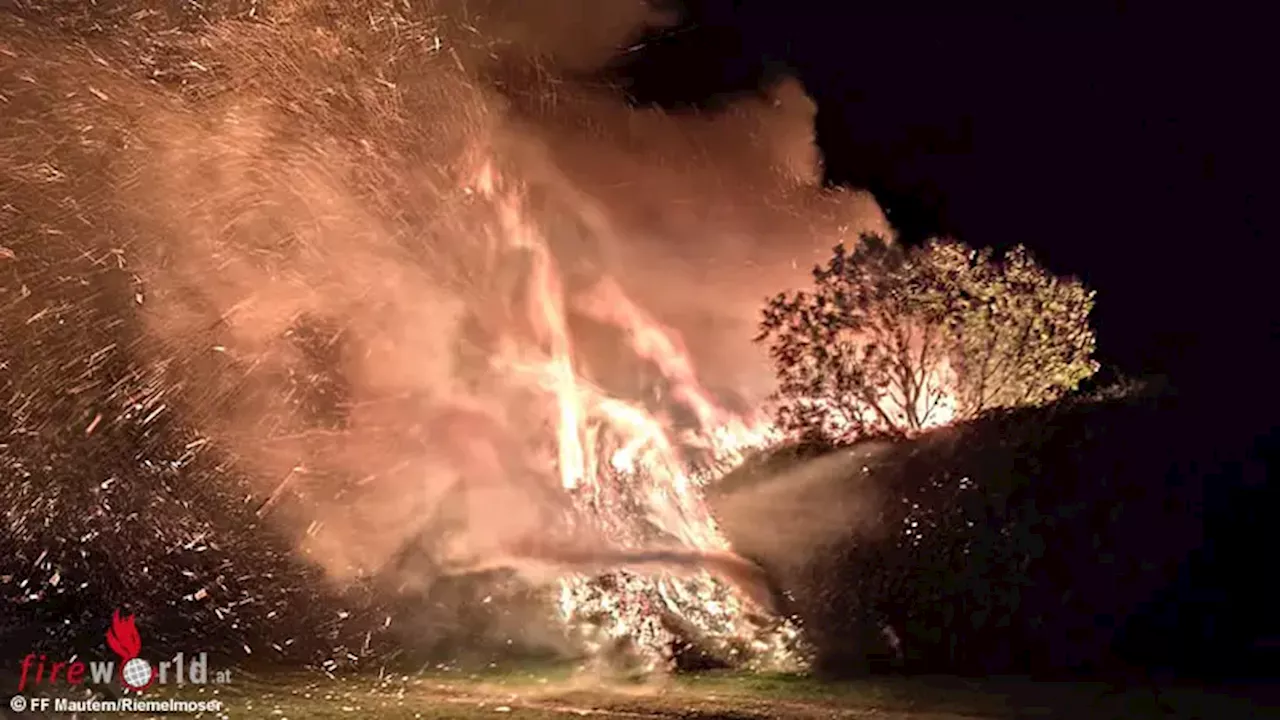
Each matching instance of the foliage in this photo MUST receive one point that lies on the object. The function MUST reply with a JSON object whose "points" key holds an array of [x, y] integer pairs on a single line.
{"points": [[1028, 541], [893, 340]]}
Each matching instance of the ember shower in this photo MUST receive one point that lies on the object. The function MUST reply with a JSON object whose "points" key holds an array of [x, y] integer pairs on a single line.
{"points": [[397, 267]]}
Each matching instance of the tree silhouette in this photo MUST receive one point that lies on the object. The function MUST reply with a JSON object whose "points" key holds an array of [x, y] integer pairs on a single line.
{"points": [[894, 340]]}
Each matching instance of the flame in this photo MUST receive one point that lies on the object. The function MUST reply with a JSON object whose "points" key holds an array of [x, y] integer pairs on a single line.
{"points": [[123, 637], [629, 473]]}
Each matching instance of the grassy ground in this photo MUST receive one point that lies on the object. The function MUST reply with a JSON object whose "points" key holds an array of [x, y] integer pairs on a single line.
{"points": [[543, 695]]}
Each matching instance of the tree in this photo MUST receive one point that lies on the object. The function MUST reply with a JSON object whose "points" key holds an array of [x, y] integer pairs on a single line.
{"points": [[894, 340]]}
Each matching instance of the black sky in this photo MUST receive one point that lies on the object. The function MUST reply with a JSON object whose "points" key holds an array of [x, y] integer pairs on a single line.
{"points": [[1117, 145]]}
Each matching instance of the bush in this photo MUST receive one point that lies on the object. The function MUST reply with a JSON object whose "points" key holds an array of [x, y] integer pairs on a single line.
{"points": [[1034, 540]]}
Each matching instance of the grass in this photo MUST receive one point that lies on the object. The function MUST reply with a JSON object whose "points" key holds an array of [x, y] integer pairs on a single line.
{"points": [[539, 694]]}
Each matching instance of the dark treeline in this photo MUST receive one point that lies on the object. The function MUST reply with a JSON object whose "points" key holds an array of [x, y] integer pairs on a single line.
{"points": [[1088, 538]]}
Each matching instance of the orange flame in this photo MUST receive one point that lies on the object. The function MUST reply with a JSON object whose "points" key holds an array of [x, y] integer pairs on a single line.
{"points": [[609, 449], [594, 430], [123, 637]]}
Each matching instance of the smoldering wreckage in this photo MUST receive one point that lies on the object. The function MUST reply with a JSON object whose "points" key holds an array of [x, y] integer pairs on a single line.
{"points": [[377, 335]]}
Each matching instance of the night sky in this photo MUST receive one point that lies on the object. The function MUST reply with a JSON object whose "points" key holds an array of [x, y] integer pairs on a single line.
{"points": [[1116, 145]]}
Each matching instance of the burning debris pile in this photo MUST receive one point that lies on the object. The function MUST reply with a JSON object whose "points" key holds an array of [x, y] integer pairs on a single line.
{"points": [[304, 319], [632, 486]]}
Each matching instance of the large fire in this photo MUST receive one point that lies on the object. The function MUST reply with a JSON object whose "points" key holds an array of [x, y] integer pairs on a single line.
{"points": [[636, 480], [309, 271], [633, 480]]}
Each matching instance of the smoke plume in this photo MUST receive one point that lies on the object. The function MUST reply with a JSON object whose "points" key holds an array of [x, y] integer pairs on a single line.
{"points": [[324, 272]]}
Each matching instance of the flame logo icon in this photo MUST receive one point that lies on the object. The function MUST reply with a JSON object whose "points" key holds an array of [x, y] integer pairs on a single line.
{"points": [[136, 673], [123, 637]]}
